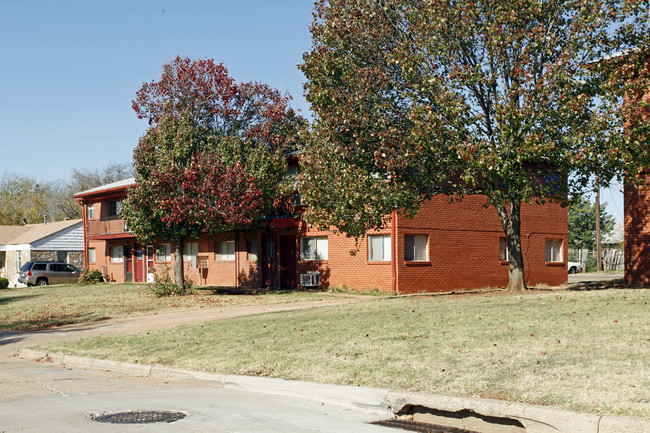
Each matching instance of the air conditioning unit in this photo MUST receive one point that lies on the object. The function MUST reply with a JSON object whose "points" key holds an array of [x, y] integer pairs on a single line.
{"points": [[310, 279], [296, 200]]}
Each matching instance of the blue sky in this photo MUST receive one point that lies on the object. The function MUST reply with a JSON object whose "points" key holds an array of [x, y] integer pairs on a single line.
{"points": [[70, 69]]}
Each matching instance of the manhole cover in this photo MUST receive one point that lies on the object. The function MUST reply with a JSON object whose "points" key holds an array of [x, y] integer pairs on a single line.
{"points": [[138, 416], [419, 426]]}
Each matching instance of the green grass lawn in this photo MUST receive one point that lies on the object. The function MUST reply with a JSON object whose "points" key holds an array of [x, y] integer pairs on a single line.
{"points": [[581, 350], [47, 306]]}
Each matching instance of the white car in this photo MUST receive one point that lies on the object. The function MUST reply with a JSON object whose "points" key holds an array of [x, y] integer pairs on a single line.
{"points": [[573, 267]]}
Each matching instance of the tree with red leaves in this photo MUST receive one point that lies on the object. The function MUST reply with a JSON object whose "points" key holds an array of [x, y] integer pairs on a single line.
{"points": [[212, 159]]}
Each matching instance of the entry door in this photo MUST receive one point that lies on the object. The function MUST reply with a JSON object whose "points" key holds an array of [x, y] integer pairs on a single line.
{"points": [[138, 263], [128, 258], [269, 263], [288, 262], [150, 261]]}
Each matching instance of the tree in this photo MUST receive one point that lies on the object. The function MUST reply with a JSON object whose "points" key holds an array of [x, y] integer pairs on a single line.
{"points": [[582, 223], [21, 201], [58, 194], [212, 159], [503, 98]]}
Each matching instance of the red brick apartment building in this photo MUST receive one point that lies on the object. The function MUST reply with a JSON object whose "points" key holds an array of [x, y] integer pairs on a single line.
{"points": [[446, 246]]}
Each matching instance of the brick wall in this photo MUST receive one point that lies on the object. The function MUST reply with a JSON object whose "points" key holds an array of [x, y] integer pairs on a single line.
{"points": [[463, 250], [637, 233]]}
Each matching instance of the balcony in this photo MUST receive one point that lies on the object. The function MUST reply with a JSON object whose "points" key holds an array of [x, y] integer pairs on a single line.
{"points": [[105, 227]]}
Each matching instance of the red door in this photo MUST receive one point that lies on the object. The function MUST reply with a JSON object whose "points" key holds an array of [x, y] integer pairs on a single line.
{"points": [[288, 262], [138, 264]]}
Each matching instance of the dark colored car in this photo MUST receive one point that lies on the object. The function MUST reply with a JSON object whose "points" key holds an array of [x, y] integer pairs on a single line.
{"points": [[44, 273]]}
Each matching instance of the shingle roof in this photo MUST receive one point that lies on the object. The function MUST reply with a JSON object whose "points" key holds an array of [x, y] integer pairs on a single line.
{"points": [[29, 233]]}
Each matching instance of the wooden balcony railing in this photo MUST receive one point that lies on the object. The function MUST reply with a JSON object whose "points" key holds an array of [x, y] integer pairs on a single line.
{"points": [[105, 227]]}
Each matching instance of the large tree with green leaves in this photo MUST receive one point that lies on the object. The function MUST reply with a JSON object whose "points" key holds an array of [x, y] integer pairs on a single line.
{"points": [[508, 99], [212, 159]]}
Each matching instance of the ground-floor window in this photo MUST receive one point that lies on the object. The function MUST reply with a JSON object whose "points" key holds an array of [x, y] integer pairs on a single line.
{"points": [[504, 255], [251, 250], [225, 250], [61, 256], [314, 248], [163, 253], [415, 248], [554, 250], [91, 255], [379, 247], [190, 251], [117, 254]]}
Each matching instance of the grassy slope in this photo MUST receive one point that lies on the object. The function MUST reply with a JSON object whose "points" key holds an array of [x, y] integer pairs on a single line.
{"points": [[585, 351]]}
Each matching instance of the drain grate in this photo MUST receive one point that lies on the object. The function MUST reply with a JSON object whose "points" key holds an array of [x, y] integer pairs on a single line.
{"points": [[419, 426], [138, 416]]}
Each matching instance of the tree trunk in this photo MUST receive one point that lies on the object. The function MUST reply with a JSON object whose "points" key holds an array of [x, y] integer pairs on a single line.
{"points": [[511, 223], [179, 276]]}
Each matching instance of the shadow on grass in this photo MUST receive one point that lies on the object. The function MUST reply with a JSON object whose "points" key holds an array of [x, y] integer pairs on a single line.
{"points": [[47, 323], [4, 300], [233, 291], [618, 283]]}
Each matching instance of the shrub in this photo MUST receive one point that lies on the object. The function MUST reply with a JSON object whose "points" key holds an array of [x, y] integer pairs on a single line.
{"points": [[4, 283], [163, 284], [592, 264], [91, 277]]}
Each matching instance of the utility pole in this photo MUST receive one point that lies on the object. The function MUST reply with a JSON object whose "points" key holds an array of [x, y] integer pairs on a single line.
{"points": [[599, 260]]}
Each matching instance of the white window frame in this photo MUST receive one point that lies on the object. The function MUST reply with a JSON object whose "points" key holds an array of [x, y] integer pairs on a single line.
{"points": [[163, 253], [92, 255], [314, 248], [553, 251], [420, 248], [90, 211], [117, 254], [379, 248], [190, 251], [224, 251]]}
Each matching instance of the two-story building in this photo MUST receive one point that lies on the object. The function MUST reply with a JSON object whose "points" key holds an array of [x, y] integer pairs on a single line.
{"points": [[446, 246]]}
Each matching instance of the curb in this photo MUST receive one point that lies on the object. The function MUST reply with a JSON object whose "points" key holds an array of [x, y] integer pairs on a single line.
{"points": [[534, 418]]}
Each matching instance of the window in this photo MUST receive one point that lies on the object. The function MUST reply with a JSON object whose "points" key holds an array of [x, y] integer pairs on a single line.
{"points": [[251, 249], [114, 207], [225, 250], [554, 250], [19, 260], [163, 253], [117, 254], [415, 248], [190, 251], [61, 256], [504, 256], [91, 255], [313, 248], [379, 248], [90, 211]]}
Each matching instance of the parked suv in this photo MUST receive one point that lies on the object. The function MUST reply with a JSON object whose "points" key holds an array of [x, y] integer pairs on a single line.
{"points": [[44, 273]]}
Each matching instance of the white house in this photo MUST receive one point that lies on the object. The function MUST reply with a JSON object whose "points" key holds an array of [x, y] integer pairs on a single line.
{"points": [[57, 241]]}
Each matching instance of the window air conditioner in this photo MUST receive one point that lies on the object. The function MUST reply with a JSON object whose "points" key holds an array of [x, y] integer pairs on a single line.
{"points": [[310, 279]]}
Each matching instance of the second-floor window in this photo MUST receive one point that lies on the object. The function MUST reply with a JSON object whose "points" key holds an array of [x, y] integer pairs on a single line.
{"points": [[114, 207], [90, 211]]}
